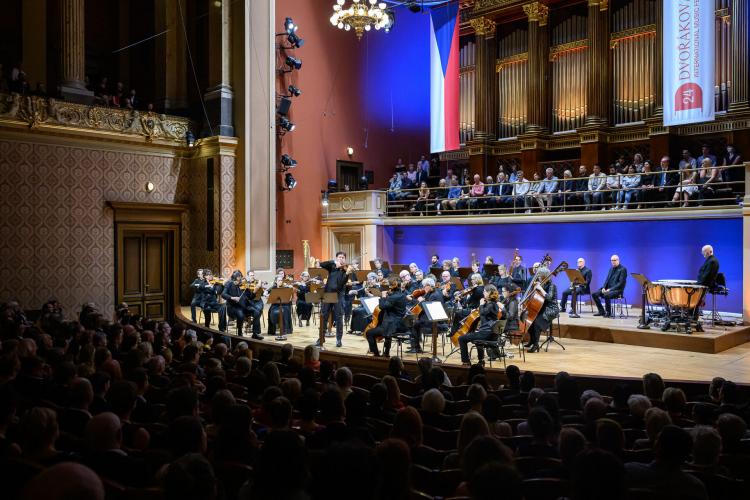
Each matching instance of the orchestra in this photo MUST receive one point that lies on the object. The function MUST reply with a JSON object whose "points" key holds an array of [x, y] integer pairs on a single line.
{"points": [[495, 301]]}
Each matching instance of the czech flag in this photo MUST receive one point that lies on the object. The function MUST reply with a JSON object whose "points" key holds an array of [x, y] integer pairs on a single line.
{"points": [[444, 27]]}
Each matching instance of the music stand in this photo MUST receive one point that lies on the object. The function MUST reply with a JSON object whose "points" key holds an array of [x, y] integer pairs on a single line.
{"points": [[490, 270], [459, 284], [369, 304], [645, 283], [464, 273], [325, 298], [384, 265], [397, 268], [436, 271], [576, 278], [280, 296], [318, 273], [362, 276], [435, 313]]}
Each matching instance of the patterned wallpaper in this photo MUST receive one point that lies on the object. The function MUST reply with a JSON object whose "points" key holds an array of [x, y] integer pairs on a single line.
{"points": [[56, 233]]}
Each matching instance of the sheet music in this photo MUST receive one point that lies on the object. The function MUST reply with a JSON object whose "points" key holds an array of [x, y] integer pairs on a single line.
{"points": [[435, 310], [370, 303]]}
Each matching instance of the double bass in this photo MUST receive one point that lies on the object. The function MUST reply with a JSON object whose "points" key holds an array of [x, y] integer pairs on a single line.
{"points": [[469, 323], [533, 299]]}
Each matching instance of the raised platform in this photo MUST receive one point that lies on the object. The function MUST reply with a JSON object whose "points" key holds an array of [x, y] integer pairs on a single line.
{"points": [[594, 347]]}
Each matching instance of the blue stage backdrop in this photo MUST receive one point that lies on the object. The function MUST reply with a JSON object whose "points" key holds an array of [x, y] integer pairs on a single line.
{"points": [[664, 249]]}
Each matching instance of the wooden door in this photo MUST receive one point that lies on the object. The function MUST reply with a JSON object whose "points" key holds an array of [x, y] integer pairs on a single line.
{"points": [[144, 271]]}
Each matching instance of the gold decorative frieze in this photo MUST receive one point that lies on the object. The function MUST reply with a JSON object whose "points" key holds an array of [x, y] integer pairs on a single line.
{"points": [[467, 69], [533, 143], [483, 26], [505, 148], [603, 4], [492, 4], [38, 111], [657, 130], [557, 50], [537, 11], [640, 134], [564, 142], [646, 30], [724, 15], [714, 127], [507, 61]]}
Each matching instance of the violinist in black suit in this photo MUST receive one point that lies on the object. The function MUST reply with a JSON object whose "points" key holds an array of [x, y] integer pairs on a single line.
{"points": [[336, 283], [422, 325], [252, 301], [550, 310], [236, 302], [197, 287], [379, 267], [710, 268], [210, 303], [488, 311], [579, 289], [393, 309], [613, 286]]}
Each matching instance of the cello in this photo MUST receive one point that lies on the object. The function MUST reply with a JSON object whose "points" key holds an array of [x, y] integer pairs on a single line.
{"points": [[533, 300]]}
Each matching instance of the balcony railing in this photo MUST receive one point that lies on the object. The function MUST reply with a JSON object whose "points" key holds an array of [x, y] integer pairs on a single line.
{"points": [[717, 187]]}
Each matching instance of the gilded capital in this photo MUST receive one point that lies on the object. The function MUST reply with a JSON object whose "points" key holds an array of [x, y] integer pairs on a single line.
{"points": [[603, 4], [537, 11], [483, 26]]}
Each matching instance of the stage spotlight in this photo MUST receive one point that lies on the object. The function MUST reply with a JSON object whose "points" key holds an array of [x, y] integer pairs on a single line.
{"points": [[286, 125], [289, 25], [391, 20], [289, 182], [288, 162], [333, 186], [294, 91], [324, 200], [414, 6], [189, 139], [363, 183], [293, 63], [294, 40], [284, 104]]}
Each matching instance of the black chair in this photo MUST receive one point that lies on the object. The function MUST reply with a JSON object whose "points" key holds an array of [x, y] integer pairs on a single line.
{"points": [[496, 342], [620, 306], [719, 288]]}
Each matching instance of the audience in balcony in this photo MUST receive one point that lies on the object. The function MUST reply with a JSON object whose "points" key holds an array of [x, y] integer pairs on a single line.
{"points": [[597, 184], [521, 189], [706, 154], [687, 187], [613, 186], [687, 160], [631, 183]]}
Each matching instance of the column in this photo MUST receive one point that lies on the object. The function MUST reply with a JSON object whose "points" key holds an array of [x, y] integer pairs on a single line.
{"points": [[658, 66], [73, 52], [34, 32], [597, 89], [738, 98], [486, 80], [219, 96], [171, 82], [537, 13]]}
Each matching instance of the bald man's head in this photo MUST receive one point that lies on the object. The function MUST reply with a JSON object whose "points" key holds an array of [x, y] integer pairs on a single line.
{"points": [[615, 260], [66, 481]]}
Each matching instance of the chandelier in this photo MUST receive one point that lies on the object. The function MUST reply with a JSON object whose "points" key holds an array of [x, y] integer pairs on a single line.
{"points": [[361, 16]]}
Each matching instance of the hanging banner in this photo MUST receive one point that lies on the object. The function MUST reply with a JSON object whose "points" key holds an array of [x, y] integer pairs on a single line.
{"points": [[688, 42], [444, 28]]}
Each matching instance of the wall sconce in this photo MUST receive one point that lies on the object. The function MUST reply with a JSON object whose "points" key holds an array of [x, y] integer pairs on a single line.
{"points": [[149, 186], [350, 151]]}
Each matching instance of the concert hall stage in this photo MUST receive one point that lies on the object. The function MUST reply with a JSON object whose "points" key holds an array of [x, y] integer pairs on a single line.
{"points": [[594, 347]]}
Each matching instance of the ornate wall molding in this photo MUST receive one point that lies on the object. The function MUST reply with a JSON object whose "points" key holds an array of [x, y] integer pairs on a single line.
{"points": [[603, 4], [483, 26], [37, 112], [507, 61], [537, 11], [557, 50], [616, 38]]}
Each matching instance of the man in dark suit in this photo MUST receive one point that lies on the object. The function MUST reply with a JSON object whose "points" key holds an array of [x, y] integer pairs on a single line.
{"points": [[579, 289], [422, 325], [336, 283], [709, 269], [613, 286], [666, 181]]}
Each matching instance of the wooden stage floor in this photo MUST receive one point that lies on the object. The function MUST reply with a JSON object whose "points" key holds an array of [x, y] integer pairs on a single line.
{"points": [[600, 347]]}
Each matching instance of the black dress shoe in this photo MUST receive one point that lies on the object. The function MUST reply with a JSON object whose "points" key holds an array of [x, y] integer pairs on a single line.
{"points": [[528, 345], [257, 337], [338, 343], [411, 350], [534, 348], [600, 314]]}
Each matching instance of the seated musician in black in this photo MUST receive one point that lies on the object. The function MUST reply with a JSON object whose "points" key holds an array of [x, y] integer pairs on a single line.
{"points": [[422, 325], [488, 310], [304, 308], [407, 283], [253, 303], [509, 305], [360, 318], [468, 300], [549, 311], [351, 284], [286, 311], [518, 272], [210, 302], [710, 268], [233, 296], [198, 291], [613, 286], [379, 267], [501, 279], [579, 289], [445, 282], [393, 308]]}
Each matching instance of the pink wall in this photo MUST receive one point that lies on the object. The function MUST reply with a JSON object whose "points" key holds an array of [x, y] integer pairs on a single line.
{"points": [[329, 116]]}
